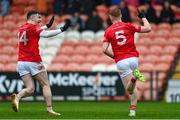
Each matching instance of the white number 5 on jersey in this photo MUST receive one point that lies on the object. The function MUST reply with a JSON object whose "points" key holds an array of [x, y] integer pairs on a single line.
{"points": [[121, 39], [23, 38]]}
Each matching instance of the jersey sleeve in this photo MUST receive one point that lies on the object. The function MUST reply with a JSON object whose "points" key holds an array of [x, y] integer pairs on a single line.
{"points": [[134, 28], [106, 37]]}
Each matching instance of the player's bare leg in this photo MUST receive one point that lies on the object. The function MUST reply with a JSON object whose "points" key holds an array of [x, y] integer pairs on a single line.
{"points": [[43, 80], [132, 83], [133, 95], [29, 90], [133, 99]]}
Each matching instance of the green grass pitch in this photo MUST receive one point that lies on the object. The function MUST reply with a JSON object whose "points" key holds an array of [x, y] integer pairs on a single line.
{"points": [[91, 110]]}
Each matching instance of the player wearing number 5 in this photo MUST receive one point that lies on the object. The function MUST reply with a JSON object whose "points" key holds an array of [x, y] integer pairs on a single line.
{"points": [[121, 37], [29, 64]]}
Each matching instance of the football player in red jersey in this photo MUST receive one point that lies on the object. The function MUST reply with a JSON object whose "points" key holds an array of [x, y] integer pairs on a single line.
{"points": [[29, 64], [120, 36]]}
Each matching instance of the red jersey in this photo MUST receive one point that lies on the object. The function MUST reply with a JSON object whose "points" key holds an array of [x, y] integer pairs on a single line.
{"points": [[121, 37], [29, 35]]}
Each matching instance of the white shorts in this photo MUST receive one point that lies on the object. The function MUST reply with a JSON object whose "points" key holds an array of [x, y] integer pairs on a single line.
{"points": [[32, 68], [126, 66]]}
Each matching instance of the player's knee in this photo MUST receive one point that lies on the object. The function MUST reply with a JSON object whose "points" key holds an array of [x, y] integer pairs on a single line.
{"points": [[134, 93], [30, 90], [45, 84], [130, 92]]}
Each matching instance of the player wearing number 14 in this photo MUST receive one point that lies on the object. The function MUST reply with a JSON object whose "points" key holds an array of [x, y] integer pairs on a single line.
{"points": [[121, 37], [29, 65]]}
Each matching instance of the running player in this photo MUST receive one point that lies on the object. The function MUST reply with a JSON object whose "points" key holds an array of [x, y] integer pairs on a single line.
{"points": [[121, 37], [29, 64]]}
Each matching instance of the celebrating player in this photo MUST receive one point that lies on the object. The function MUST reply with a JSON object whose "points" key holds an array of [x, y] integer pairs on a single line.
{"points": [[29, 63], [121, 37]]}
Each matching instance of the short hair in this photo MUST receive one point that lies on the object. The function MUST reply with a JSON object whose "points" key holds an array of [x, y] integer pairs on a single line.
{"points": [[32, 12], [115, 12]]}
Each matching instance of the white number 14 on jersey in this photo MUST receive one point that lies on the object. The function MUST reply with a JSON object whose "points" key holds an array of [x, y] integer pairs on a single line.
{"points": [[23, 38]]}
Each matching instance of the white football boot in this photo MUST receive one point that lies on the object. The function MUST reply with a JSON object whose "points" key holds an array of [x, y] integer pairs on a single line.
{"points": [[132, 113]]}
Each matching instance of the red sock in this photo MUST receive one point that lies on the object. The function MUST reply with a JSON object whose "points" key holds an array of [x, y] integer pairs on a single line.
{"points": [[133, 80], [133, 107]]}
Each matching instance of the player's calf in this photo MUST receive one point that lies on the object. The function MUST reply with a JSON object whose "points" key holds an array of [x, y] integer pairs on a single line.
{"points": [[131, 85]]}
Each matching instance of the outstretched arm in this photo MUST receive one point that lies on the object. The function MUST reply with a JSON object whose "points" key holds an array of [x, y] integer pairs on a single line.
{"points": [[51, 33], [45, 27], [146, 25]]}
